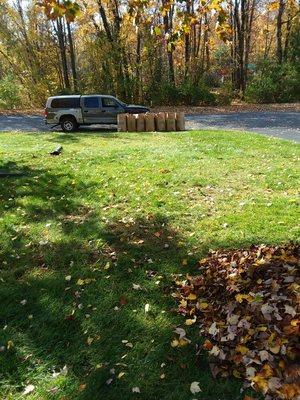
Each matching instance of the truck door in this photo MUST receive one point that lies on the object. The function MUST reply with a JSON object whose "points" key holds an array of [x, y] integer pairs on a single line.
{"points": [[111, 108], [91, 109]]}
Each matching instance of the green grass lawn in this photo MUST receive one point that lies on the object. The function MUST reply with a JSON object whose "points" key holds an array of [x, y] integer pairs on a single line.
{"points": [[117, 210]]}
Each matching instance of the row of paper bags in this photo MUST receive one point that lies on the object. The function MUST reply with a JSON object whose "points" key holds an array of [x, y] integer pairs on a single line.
{"points": [[150, 122]]}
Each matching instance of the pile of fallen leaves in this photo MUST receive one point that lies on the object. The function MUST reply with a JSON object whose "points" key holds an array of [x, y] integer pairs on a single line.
{"points": [[246, 303]]}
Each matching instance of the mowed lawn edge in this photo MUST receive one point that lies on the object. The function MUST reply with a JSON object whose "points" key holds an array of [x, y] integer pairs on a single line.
{"points": [[90, 237]]}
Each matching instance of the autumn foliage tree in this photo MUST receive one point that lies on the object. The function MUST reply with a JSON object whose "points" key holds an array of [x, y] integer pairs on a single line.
{"points": [[155, 51]]}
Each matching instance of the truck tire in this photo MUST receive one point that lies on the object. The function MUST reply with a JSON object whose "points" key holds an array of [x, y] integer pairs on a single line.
{"points": [[68, 124]]}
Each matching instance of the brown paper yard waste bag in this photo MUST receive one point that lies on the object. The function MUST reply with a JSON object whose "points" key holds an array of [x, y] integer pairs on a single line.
{"points": [[140, 123], [180, 123], [131, 122], [160, 122], [171, 122], [149, 122], [122, 123]]}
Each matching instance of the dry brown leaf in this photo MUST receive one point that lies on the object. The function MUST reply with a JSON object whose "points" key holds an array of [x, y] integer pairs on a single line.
{"points": [[246, 309]]}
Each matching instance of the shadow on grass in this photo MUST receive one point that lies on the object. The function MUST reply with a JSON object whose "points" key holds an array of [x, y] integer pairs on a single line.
{"points": [[11, 170], [62, 137], [82, 324]]}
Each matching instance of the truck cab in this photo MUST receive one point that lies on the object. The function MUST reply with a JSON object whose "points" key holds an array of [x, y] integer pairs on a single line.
{"points": [[72, 111]]}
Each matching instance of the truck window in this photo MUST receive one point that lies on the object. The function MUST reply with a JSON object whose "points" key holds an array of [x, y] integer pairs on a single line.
{"points": [[109, 102], [91, 102], [65, 102]]}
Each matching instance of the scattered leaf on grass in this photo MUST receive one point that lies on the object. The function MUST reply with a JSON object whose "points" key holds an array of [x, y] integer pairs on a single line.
{"points": [[10, 345], [190, 321], [136, 287], [87, 281], [195, 388], [82, 387], [122, 301], [28, 389], [89, 341]]}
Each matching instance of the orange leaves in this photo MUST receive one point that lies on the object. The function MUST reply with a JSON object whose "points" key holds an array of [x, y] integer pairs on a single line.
{"points": [[182, 340], [190, 321], [192, 296], [207, 345], [55, 9], [267, 371], [203, 305], [242, 349], [260, 383], [273, 6], [240, 297], [179, 342], [246, 304], [290, 390], [264, 380]]}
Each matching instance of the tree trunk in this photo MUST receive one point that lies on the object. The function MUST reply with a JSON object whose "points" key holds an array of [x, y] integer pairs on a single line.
{"points": [[168, 26], [72, 56], [242, 14], [287, 38], [207, 52], [138, 64], [32, 60], [249, 23], [171, 67], [279, 50], [63, 56], [105, 21], [187, 40]]}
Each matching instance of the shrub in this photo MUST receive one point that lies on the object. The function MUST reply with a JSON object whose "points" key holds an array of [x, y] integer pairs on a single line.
{"points": [[274, 83], [225, 94], [195, 95], [9, 93], [169, 94], [262, 89], [184, 94]]}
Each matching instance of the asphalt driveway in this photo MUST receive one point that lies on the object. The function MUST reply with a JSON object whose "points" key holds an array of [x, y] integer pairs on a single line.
{"points": [[285, 125]]}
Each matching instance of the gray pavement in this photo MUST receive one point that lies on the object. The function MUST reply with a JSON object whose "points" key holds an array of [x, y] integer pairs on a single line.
{"points": [[280, 124], [285, 125]]}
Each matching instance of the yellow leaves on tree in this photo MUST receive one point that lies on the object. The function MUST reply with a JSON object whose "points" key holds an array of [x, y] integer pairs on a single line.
{"points": [[56, 9]]}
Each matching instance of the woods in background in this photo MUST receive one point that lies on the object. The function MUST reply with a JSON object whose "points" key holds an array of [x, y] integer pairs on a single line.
{"points": [[157, 52]]}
